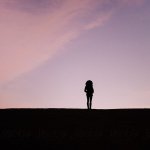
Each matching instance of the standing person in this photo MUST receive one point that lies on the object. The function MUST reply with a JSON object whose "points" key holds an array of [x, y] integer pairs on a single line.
{"points": [[89, 93]]}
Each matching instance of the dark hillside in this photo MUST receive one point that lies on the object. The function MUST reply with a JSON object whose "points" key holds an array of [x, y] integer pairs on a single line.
{"points": [[74, 129]]}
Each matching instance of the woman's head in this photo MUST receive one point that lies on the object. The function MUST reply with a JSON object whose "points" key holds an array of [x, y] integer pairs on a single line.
{"points": [[89, 83]]}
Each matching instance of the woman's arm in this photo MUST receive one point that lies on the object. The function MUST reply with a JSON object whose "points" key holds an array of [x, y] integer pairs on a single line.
{"points": [[85, 89]]}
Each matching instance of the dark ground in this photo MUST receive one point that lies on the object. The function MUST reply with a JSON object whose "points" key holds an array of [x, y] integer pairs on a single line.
{"points": [[74, 129]]}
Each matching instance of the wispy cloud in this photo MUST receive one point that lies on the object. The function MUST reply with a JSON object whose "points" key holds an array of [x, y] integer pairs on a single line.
{"points": [[132, 2], [101, 20], [33, 31]]}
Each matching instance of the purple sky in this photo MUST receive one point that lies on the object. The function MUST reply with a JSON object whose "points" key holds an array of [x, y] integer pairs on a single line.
{"points": [[50, 48]]}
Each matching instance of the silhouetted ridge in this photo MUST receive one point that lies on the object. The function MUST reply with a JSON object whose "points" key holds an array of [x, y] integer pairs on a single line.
{"points": [[75, 128]]}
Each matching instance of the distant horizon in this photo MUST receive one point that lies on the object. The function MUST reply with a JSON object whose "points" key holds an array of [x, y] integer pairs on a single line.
{"points": [[49, 49], [74, 108]]}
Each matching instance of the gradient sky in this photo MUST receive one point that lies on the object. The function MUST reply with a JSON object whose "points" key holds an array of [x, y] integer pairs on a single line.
{"points": [[50, 48]]}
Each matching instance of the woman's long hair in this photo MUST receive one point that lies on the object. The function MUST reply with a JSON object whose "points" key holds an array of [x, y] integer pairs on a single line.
{"points": [[89, 83]]}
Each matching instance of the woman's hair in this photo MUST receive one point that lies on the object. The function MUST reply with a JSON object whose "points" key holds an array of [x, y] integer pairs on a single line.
{"points": [[89, 83]]}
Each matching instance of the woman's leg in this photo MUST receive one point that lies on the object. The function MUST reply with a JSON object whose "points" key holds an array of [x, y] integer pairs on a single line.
{"points": [[88, 106], [91, 101]]}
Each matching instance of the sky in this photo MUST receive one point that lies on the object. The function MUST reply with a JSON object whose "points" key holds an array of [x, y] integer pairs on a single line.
{"points": [[50, 48]]}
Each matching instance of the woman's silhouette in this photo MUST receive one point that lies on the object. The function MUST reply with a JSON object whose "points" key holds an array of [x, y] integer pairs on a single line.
{"points": [[89, 93]]}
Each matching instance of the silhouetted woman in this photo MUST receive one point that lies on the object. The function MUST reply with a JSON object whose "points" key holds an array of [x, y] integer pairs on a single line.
{"points": [[89, 93]]}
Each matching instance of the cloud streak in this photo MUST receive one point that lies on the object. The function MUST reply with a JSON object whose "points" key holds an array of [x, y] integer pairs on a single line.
{"points": [[34, 31]]}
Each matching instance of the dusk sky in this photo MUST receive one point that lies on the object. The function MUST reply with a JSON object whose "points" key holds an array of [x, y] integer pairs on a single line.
{"points": [[50, 48]]}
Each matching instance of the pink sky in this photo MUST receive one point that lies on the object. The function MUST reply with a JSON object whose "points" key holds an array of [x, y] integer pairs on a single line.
{"points": [[49, 48]]}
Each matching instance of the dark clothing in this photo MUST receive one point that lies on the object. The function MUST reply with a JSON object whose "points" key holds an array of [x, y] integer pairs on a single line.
{"points": [[89, 90], [89, 94]]}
